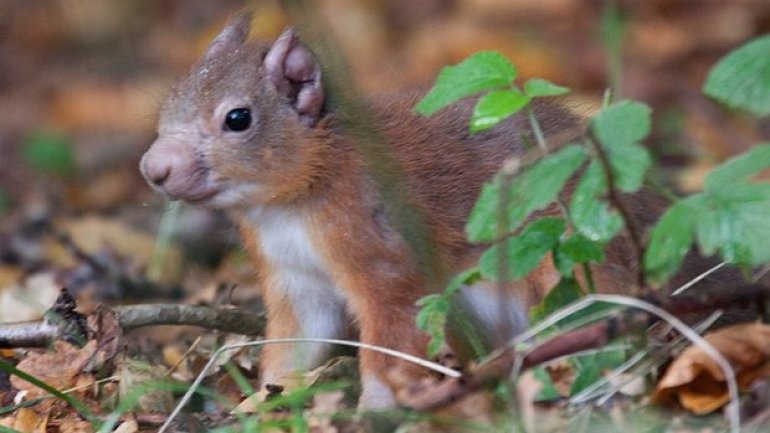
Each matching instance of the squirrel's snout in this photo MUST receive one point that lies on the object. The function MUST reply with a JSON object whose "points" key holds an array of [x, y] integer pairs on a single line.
{"points": [[155, 170], [173, 168]]}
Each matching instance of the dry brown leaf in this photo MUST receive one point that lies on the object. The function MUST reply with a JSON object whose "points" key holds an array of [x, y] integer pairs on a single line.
{"points": [[107, 333], [72, 423], [25, 420], [134, 374], [59, 368], [697, 380], [320, 414]]}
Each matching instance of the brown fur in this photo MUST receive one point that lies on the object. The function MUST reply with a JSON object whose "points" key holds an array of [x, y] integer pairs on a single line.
{"points": [[319, 180]]}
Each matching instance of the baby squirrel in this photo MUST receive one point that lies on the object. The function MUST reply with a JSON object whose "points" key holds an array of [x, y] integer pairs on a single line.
{"points": [[250, 130]]}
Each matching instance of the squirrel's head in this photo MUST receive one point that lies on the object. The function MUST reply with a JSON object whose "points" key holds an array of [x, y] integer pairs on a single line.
{"points": [[234, 131]]}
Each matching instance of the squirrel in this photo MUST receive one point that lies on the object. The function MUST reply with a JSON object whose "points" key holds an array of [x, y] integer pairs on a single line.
{"points": [[250, 129]]}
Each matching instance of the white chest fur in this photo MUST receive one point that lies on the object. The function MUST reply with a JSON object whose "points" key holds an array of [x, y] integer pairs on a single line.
{"points": [[299, 273], [289, 250]]}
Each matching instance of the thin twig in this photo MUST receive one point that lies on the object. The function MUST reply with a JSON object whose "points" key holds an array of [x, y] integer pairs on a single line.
{"points": [[697, 279], [42, 333], [614, 197]]}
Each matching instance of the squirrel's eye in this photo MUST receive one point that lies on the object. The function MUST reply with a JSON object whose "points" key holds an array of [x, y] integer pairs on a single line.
{"points": [[238, 119]]}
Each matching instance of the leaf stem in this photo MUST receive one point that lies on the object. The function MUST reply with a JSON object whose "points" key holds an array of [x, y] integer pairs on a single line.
{"points": [[539, 137], [562, 206], [614, 198], [589, 278]]}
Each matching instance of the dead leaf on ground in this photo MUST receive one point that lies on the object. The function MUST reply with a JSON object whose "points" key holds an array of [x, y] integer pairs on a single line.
{"points": [[25, 420], [72, 423], [59, 368], [134, 375], [698, 382]]}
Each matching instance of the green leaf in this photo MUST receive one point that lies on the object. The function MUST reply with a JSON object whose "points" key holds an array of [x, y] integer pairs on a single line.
{"points": [[739, 168], [485, 70], [590, 368], [563, 294], [582, 250], [521, 254], [593, 218], [619, 128], [537, 87], [465, 278], [432, 319], [434, 309], [496, 106], [548, 389], [563, 263], [742, 78], [49, 152], [622, 124], [629, 164], [733, 222], [530, 191], [671, 238]]}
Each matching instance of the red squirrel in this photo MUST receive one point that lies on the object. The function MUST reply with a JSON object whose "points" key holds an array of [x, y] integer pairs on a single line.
{"points": [[250, 130]]}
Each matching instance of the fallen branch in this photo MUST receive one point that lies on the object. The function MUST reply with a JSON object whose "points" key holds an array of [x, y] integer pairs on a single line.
{"points": [[63, 322]]}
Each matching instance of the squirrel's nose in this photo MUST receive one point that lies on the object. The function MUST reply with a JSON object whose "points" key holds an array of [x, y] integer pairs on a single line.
{"points": [[155, 170]]}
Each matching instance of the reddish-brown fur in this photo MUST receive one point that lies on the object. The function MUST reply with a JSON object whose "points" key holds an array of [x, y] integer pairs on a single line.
{"points": [[340, 231]]}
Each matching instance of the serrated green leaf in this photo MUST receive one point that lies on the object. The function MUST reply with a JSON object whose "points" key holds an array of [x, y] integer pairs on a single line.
{"points": [[742, 78], [671, 239], [622, 124], [495, 107], [582, 250], [538, 87], [592, 217], [629, 164], [740, 168], [619, 128], [733, 222], [521, 254], [486, 70], [532, 190], [432, 319]]}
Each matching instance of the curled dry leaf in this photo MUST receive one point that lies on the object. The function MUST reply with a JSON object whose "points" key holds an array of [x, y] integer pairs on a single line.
{"points": [[63, 368], [698, 382], [25, 420]]}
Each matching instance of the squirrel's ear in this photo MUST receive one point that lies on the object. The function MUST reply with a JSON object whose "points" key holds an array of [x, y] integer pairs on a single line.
{"points": [[294, 71], [233, 36]]}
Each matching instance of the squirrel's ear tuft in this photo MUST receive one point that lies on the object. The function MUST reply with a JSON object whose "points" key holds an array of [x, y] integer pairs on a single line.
{"points": [[233, 36], [295, 72]]}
